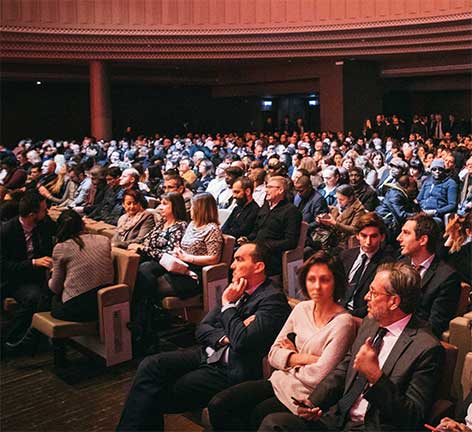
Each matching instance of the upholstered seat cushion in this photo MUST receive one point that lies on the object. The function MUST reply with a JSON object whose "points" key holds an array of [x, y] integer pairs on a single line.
{"points": [[55, 328]]}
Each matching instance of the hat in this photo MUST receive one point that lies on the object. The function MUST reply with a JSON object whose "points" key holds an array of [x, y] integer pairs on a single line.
{"points": [[437, 163], [399, 163]]}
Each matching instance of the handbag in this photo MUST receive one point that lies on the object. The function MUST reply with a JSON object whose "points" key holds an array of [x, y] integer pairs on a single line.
{"points": [[173, 264]]}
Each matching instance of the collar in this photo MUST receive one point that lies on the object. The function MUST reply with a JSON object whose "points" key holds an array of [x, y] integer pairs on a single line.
{"points": [[397, 327], [426, 263], [26, 226], [250, 291], [369, 255]]}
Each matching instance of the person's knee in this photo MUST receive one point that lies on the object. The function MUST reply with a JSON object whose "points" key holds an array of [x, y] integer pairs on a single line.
{"points": [[217, 407], [30, 297]]}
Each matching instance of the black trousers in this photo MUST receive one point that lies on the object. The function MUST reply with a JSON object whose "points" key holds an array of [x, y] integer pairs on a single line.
{"points": [[83, 307], [289, 422], [170, 382], [244, 406]]}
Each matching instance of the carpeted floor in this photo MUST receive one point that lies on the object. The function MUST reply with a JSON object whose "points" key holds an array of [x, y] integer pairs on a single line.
{"points": [[85, 396]]}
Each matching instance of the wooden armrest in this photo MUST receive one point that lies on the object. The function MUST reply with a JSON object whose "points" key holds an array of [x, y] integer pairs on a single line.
{"points": [[109, 296], [210, 274]]}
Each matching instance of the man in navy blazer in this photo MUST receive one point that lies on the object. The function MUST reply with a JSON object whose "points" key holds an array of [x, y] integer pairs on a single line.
{"points": [[440, 283], [233, 339], [388, 379]]}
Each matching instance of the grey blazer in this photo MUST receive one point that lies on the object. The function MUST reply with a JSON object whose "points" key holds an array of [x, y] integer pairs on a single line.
{"points": [[403, 396]]}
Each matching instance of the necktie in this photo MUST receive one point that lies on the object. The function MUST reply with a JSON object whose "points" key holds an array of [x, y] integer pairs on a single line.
{"points": [[353, 284], [360, 383], [418, 268]]}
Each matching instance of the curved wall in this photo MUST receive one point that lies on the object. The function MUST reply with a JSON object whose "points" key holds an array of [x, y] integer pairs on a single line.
{"points": [[189, 29]]}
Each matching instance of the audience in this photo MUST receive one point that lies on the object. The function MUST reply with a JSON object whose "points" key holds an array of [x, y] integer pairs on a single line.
{"points": [[314, 339], [254, 172], [387, 379], [233, 338]]}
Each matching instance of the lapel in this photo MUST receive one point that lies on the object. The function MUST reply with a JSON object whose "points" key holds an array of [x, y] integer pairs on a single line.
{"points": [[371, 267], [405, 339], [19, 237], [430, 272]]}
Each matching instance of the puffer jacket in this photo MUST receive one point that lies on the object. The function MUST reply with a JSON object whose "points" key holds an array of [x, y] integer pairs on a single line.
{"points": [[440, 196]]}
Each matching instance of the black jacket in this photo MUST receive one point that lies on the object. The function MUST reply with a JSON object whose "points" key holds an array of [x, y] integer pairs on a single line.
{"points": [[440, 288], [348, 257], [277, 229], [248, 345], [241, 220], [16, 267]]}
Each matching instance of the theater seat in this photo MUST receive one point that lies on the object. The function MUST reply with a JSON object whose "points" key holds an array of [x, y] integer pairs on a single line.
{"points": [[108, 337], [292, 260]]}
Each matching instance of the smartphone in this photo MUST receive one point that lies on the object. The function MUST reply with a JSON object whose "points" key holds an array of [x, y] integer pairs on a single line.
{"points": [[300, 403], [291, 337]]}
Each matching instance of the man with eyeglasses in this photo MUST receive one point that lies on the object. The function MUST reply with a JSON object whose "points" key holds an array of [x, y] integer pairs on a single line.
{"points": [[174, 183], [388, 379], [438, 194]]}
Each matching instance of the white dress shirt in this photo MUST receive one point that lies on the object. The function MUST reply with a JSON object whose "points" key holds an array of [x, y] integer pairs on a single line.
{"points": [[359, 408]]}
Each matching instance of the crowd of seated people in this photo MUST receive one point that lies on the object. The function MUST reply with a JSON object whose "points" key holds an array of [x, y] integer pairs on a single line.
{"points": [[385, 196]]}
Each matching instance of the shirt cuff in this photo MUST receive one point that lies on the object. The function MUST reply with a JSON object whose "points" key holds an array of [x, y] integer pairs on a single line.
{"points": [[228, 306]]}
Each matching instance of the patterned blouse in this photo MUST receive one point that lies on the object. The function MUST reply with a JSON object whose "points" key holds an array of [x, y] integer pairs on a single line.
{"points": [[161, 239], [204, 240]]}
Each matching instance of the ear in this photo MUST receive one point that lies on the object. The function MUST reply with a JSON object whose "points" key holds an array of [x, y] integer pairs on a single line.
{"points": [[382, 237], [259, 267], [423, 240], [395, 304]]}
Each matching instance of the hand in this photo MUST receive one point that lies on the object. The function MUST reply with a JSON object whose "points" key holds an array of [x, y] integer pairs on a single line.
{"points": [[249, 320], [241, 240], [133, 247], [43, 262], [449, 425], [327, 220], [287, 344], [180, 254], [367, 362], [44, 192], [234, 291], [310, 414]]}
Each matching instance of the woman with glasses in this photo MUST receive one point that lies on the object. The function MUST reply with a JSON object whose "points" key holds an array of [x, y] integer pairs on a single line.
{"points": [[312, 342]]}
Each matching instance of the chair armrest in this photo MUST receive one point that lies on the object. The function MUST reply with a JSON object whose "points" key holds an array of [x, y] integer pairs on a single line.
{"points": [[115, 294], [215, 280], [126, 265]]}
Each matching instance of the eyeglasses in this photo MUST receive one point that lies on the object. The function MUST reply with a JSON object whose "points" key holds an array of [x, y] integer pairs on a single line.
{"points": [[437, 169], [374, 294]]}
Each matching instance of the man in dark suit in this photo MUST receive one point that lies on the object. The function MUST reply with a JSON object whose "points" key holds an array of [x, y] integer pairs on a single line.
{"points": [[233, 338], [241, 220], [309, 201], [440, 283], [388, 379], [26, 249], [361, 263], [277, 225]]}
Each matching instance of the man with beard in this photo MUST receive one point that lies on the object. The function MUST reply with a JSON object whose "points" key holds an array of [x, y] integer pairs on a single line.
{"points": [[243, 217], [438, 194]]}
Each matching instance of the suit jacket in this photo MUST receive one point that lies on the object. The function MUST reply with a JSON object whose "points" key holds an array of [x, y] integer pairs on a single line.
{"points": [[311, 207], [248, 345], [16, 267], [278, 229], [348, 257], [403, 396], [440, 287]]}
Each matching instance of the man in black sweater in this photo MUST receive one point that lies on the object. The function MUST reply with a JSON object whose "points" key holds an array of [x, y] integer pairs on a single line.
{"points": [[241, 220]]}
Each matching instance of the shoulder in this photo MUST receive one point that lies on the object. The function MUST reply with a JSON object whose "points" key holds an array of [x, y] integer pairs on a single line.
{"points": [[444, 269]]}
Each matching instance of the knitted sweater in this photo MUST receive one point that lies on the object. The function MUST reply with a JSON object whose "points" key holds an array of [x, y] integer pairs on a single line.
{"points": [[330, 343], [77, 271]]}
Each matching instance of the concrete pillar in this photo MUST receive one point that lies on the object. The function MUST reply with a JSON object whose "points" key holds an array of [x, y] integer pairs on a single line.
{"points": [[100, 103]]}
